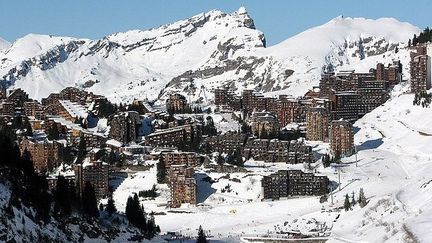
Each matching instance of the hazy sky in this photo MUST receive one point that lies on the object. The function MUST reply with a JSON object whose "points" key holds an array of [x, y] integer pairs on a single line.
{"points": [[277, 19]]}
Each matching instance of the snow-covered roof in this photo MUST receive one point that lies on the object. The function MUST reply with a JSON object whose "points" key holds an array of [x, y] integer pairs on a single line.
{"points": [[114, 143], [74, 109]]}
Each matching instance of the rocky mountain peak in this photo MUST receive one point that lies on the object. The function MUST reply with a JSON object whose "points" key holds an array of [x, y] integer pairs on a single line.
{"points": [[195, 55]]}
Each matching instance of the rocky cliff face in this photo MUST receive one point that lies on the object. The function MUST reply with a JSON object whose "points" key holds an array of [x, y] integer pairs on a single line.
{"points": [[194, 56]]}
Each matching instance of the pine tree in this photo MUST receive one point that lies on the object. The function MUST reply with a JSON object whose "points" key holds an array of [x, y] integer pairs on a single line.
{"points": [[135, 213], [62, 197], [353, 201], [414, 40], [89, 201], [38, 195], [53, 133], [111, 208], [202, 238], [409, 43], [220, 159], [112, 158], [130, 210], [347, 205], [82, 149], [28, 128], [152, 228], [238, 158], [362, 198]]}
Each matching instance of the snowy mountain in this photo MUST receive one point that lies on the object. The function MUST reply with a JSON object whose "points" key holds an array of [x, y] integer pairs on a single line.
{"points": [[3, 44], [195, 55]]}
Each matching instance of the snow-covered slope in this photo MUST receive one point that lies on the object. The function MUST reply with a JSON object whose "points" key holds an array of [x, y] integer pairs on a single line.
{"points": [[394, 143], [195, 55]]}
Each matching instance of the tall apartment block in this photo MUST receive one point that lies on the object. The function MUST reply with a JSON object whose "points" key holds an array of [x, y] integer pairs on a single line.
{"points": [[182, 184], [341, 138], [124, 126], [420, 69], [317, 124], [96, 173]]}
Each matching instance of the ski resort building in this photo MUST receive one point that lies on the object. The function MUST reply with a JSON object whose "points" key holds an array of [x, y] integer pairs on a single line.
{"points": [[182, 184], [392, 73], [317, 124], [226, 143], [46, 155], [289, 183], [72, 94], [265, 125], [176, 103], [97, 173], [172, 137], [275, 150], [7, 108], [18, 97], [345, 105], [174, 157], [226, 99], [124, 126], [420, 69], [34, 109], [341, 138]]}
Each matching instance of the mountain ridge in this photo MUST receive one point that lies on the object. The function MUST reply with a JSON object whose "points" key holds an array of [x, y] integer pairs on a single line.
{"points": [[193, 56]]}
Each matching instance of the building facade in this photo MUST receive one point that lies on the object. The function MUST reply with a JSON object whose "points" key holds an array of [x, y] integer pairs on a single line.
{"points": [[317, 124], [190, 159], [420, 70], [341, 138], [182, 184], [46, 155], [264, 125], [124, 126], [289, 183], [176, 103], [275, 150], [96, 173], [174, 137]]}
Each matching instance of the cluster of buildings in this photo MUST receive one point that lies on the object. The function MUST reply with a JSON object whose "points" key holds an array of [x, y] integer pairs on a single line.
{"points": [[58, 123], [346, 95], [325, 113], [285, 108]]}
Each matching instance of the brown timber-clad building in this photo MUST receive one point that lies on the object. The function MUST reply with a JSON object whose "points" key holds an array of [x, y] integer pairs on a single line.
{"points": [[288, 183]]}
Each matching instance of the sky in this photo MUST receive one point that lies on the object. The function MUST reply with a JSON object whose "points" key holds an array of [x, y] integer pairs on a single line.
{"points": [[278, 19]]}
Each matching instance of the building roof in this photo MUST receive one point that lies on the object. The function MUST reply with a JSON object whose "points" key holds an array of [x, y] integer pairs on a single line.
{"points": [[74, 109]]}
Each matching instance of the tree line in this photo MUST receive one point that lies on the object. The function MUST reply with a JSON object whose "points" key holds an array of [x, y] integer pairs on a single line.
{"points": [[424, 37]]}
